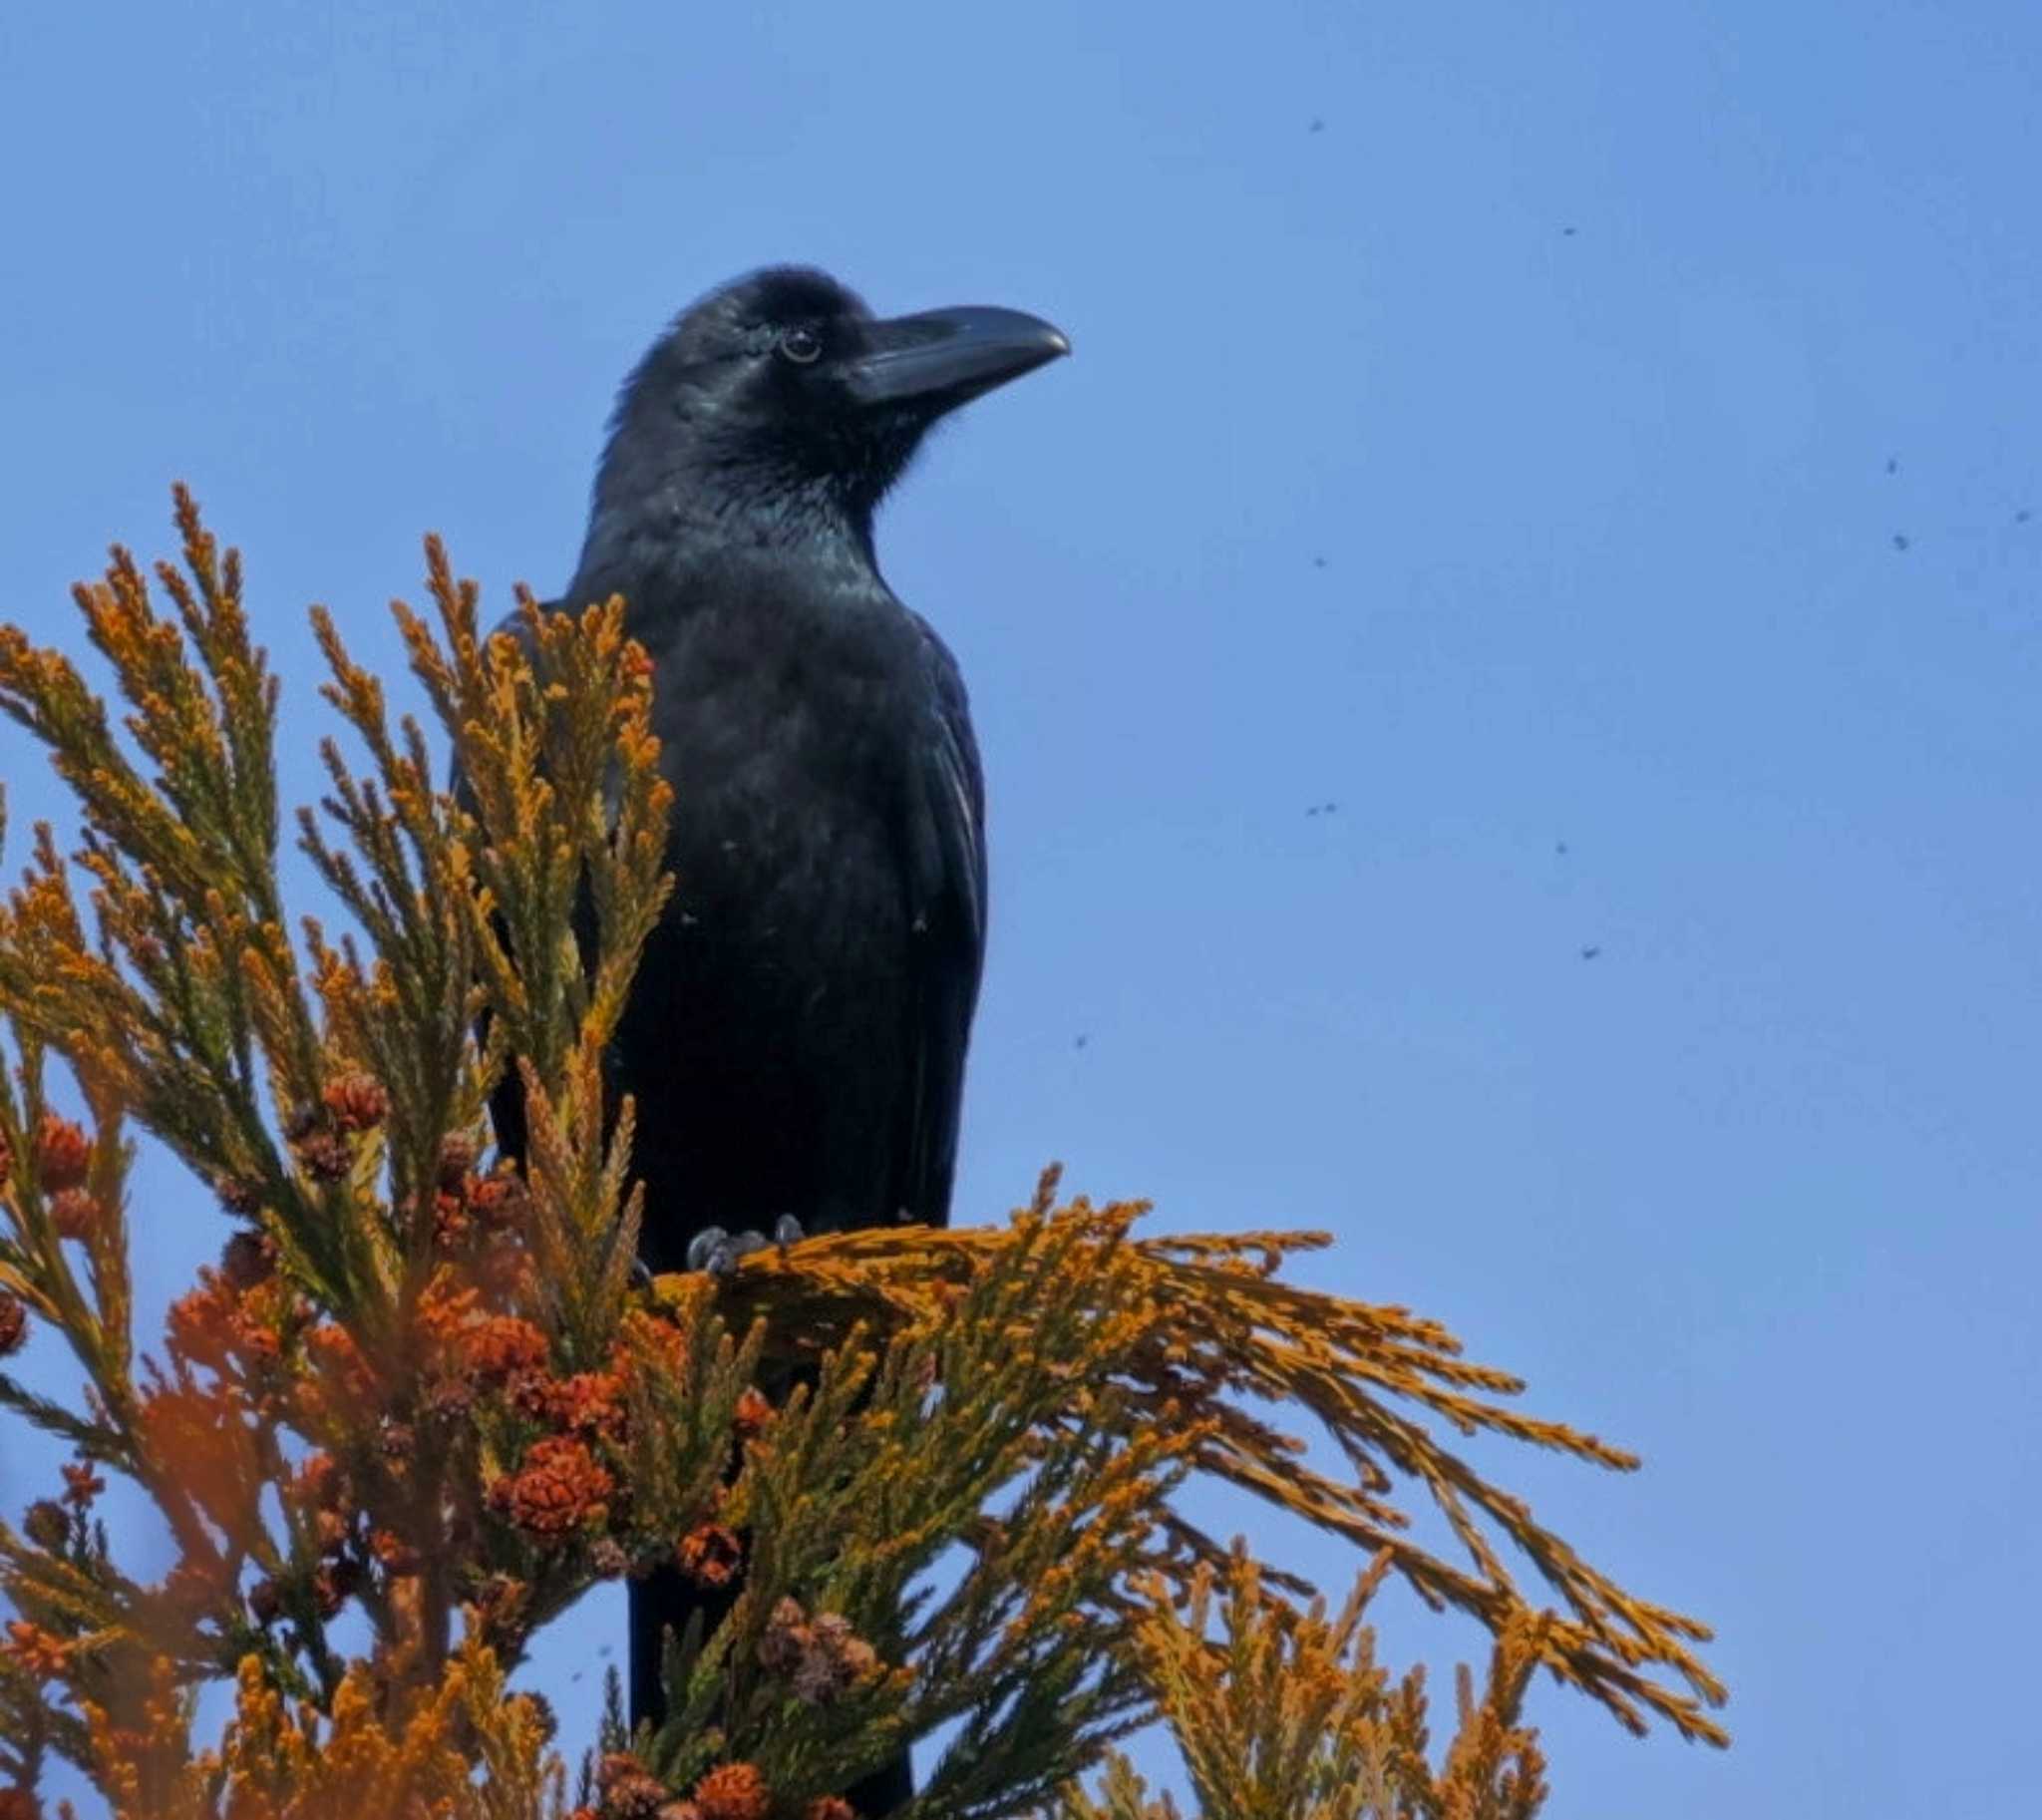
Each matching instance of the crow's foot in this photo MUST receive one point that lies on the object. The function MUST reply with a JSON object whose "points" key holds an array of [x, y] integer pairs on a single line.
{"points": [[716, 1250]]}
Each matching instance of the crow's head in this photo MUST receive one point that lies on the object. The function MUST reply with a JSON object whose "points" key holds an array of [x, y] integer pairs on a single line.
{"points": [[781, 393]]}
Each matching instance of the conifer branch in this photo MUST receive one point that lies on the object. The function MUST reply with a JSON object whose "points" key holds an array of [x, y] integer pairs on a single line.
{"points": [[428, 1390]]}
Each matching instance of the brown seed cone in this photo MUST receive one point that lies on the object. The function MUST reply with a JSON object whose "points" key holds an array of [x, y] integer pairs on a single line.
{"points": [[62, 1152], [358, 1102], [238, 1197], [628, 1790], [500, 1201], [450, 1224], [82, 1484], [324, 1155], [499, 1598], [559, 1489], [76, 1213], [709, 1554], [333, 1585], [399, 1559], [819, 1680], [733, 1791], [505, 1347], [248, 1260], [449, 1400], [589, 1403], [457, 1152], [786, 1639]]}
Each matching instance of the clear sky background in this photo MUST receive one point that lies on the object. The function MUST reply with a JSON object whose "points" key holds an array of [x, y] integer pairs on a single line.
{"points": [[1591, 445]]}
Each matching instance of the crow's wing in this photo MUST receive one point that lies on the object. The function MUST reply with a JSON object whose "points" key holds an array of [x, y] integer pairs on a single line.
{"points": [[947, 904]]}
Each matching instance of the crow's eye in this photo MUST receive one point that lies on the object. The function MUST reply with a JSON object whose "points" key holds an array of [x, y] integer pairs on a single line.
{"points": [[800, 345]]}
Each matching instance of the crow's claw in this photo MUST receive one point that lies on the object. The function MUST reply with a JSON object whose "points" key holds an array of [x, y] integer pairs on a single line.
{"points": [[707, 1248], [717, 1251]]}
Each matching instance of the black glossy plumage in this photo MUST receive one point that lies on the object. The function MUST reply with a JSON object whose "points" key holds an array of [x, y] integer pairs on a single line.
{"points": [[796, 1039]]}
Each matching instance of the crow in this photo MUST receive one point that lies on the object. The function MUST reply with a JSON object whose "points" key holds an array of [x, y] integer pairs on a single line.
{"points": [[795, 1039]]}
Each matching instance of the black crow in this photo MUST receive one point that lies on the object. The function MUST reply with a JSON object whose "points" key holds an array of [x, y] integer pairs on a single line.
{"points": [[794, 1040]]}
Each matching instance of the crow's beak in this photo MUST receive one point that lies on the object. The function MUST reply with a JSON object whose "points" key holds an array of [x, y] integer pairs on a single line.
{"points": [[942, 358]]}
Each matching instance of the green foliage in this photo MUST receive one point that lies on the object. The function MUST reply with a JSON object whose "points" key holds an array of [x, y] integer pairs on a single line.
{"points": [[1286, 1715], [428, 1391]]}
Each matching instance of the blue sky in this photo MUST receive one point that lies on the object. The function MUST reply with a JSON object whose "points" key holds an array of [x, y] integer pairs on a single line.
{"points": [[1500, 420]]}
